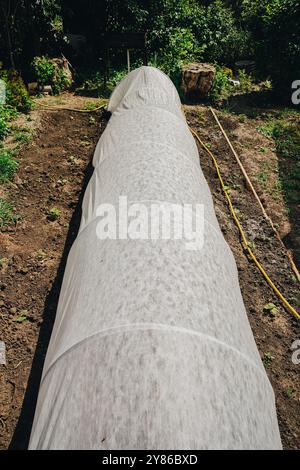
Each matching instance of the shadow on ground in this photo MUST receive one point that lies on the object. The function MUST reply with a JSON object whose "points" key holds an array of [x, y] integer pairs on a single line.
{"points": [[284, 124]]}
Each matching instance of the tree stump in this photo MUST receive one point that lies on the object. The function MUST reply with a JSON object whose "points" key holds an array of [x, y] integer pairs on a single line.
{"points": [[197, 79], [63, 64]]}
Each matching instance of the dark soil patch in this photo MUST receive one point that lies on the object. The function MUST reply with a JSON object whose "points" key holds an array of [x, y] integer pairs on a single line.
{"points": [[53, 173]]}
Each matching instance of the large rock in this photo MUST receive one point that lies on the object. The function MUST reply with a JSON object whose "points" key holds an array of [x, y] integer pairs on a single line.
{"points": [[197, 79]]}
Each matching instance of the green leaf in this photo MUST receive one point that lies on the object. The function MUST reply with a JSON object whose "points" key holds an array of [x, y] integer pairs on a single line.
{"points": [[270, 309], [22, 317]]}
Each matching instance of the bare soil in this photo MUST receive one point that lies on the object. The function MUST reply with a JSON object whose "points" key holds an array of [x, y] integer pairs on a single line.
{"points": [[274, 335], [53, 172]]}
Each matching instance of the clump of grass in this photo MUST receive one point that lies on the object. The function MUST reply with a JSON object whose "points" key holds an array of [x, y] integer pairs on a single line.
{"points": [[284, 129], [23, 136], [8, 165], [6, 213], [268, 359]]}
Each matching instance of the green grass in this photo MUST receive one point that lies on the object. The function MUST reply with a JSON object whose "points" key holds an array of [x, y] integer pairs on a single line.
{"points": [[6, 213], [286, 134], [8, 165], [284, 129], [23, 137], [268, 359], [289, 392]]}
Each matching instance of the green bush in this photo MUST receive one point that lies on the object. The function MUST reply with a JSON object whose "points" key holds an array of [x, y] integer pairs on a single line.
{"points": [[245, 82], [275, 29], [222, 88], [17, 96], [48, 73], [6, 114], [7, 165], [3, 126]]}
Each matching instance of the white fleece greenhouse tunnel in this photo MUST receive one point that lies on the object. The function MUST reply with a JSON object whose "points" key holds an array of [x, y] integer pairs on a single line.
{"points": [[151, 347]]}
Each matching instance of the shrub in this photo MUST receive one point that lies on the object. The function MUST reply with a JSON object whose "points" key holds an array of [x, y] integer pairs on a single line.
{"points": [[6, 212], [7, 165], [6, 114], [48, 73], [16, 93]]}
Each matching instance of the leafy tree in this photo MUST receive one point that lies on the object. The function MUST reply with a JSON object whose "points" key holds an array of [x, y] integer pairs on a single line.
{"points": [[275, 28], [26, 28]]}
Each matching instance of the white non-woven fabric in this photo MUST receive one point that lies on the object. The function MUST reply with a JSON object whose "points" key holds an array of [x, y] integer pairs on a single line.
{"points": [[151, 347]]}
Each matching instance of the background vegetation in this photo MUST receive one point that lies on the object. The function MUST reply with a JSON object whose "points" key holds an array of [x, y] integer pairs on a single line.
{"points": [[221, 32]]}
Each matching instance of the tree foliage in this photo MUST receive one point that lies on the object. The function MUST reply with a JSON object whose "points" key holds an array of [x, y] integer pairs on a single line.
{"points": [[220, 31]]}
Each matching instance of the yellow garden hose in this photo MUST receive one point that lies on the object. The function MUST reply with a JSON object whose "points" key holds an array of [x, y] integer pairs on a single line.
{"points": [[61, 108], [246, 243], [250, 185]]}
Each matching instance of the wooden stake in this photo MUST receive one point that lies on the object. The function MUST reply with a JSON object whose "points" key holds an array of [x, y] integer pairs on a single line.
{"points": [[251, 187]]}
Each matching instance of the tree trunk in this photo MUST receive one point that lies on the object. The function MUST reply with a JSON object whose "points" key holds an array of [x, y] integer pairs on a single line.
{"points": [[197, 79]]}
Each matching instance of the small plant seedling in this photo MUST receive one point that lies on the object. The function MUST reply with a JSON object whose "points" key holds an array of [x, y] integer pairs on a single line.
{"points": [[85, 143], [201, 116], [73, 160], [54, 214], [22, 317], [61, 181], [238, 213], [41, 255], [270, 309], [4, 263], [289, 391], [23, 136], [6, 213], [268, 358], [251, 245], [262, 177], [8, 165]]}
